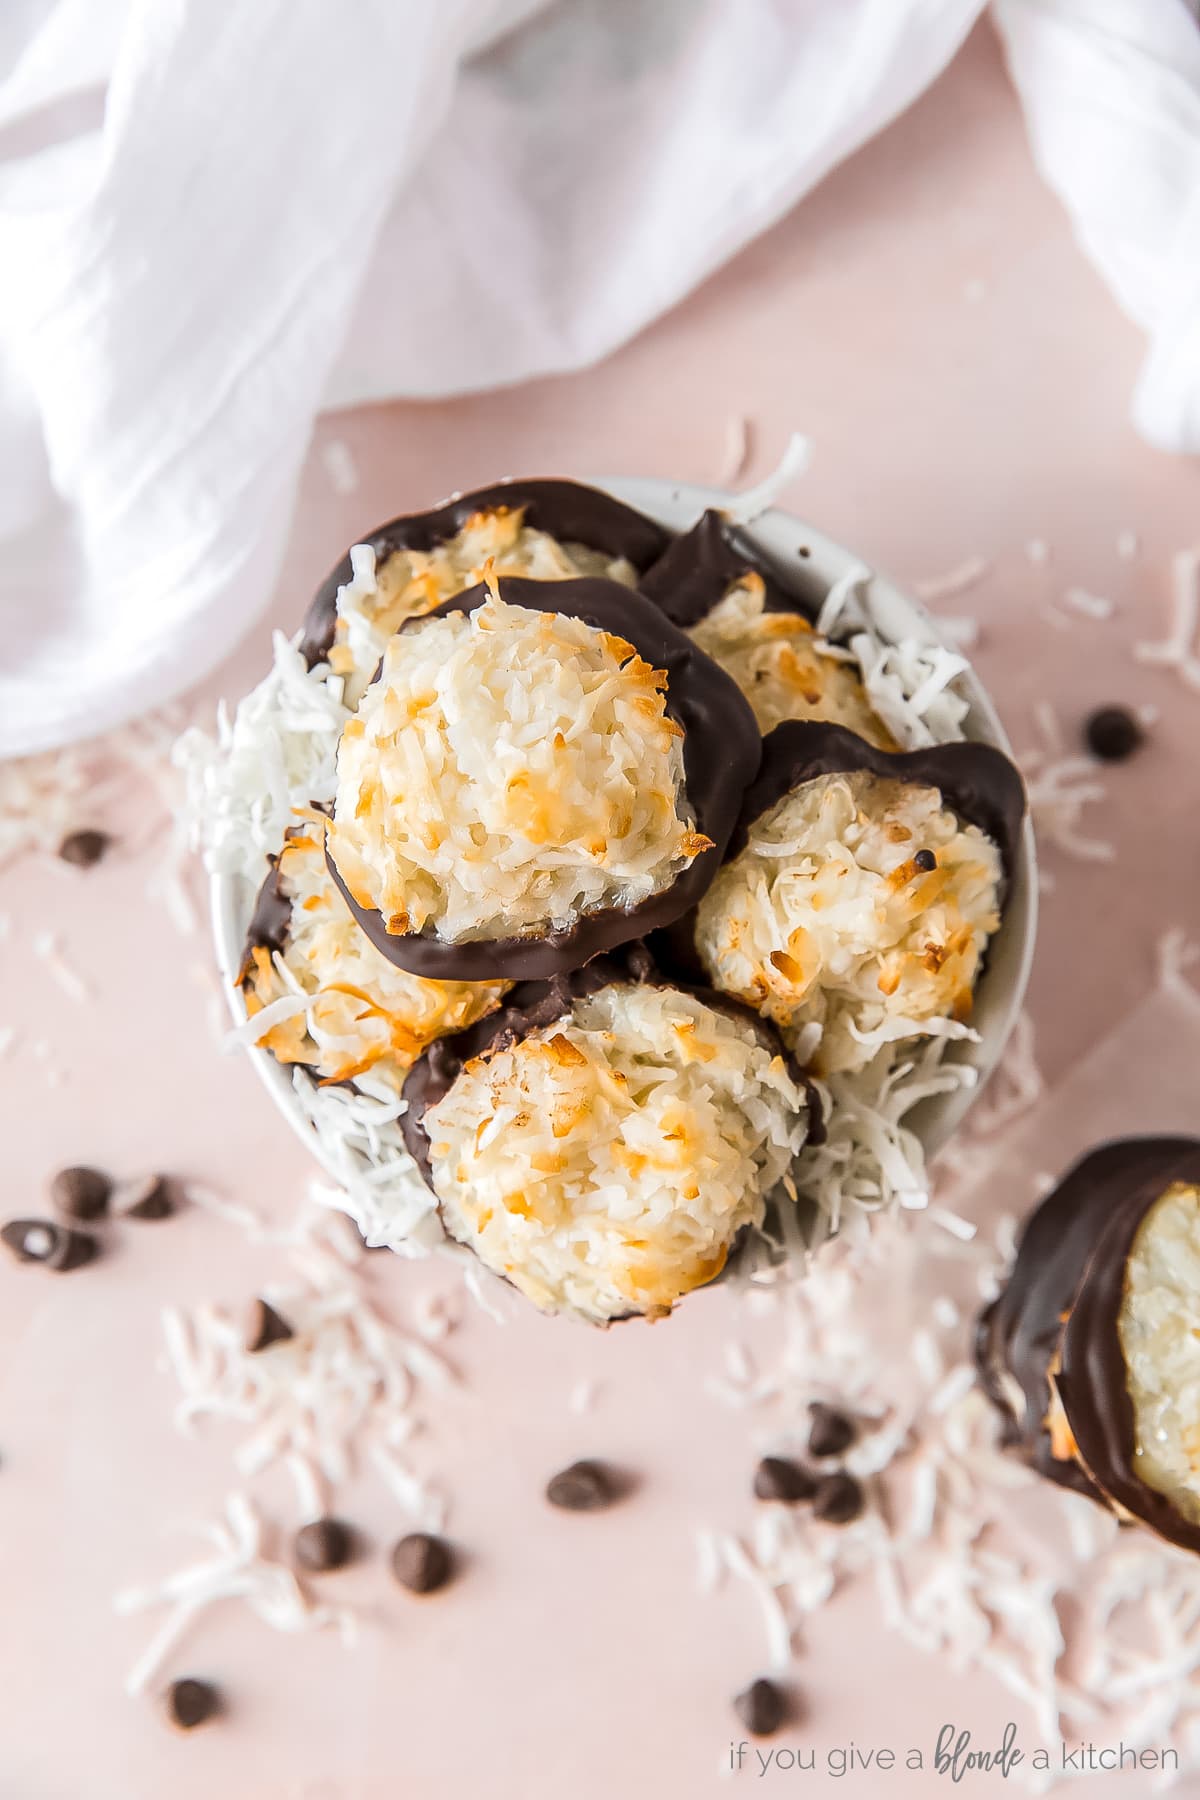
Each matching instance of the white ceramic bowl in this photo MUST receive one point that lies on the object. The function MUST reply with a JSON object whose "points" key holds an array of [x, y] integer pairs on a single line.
{"points": [[1002, 988]]}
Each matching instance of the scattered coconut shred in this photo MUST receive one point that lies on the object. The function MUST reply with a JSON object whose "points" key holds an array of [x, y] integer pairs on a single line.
{"points": [[340, 1393], [275, 759], [946, 1536]]}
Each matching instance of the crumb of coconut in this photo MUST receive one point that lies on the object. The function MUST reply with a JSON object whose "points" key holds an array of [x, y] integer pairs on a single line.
{"points": [[1176, 955], [1091, 606], [1179, 649], [750, 504], [1059, 787], [1037, 550], [237, 1570], [340, 466], [974, 290], [1128, 545], [582, 1398], [957, 580], [47, 947], [735, 457]]}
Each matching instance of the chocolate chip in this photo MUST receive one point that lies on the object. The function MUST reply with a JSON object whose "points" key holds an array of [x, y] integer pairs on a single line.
{"points": [[778, 1478], [191, 1702], [151, 1199], [926, 861], [422, 1563], [838, 1499], [584, 1487], [264, 1327], [43, 1241], [323, 1544], [84, 848], [761, 1708], [1112, 733], [831, 1431], [81, 1193]]}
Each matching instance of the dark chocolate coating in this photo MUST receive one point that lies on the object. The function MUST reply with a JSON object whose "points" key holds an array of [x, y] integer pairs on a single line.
{"points": [[977, 781], [566, 510], [700, 567], [1092, 1379], [531, 1006], [1070, 1265], [721, 750], [269, 922]]}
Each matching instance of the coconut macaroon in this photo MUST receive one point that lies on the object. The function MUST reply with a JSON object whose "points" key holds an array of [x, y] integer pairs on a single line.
{"points": [[353, 1012], [1089, 1351], [602, 1142], [526, 784], [716, 586], [780, 665], [858, 904], [543, 530]]}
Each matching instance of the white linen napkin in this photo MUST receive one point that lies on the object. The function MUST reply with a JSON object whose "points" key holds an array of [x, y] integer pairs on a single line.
{"points": [[290, 204]]}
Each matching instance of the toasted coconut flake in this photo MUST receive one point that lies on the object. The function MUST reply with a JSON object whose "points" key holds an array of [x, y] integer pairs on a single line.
{"points": [[828, 917], [461, 734]]}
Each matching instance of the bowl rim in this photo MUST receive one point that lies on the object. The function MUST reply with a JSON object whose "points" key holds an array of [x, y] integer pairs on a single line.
{"points": [[781, 534]]}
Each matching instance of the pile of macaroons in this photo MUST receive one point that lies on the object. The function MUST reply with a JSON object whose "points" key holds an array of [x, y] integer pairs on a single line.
{"points": [[619, 864]]}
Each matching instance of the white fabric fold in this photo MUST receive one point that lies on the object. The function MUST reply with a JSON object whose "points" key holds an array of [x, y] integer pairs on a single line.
{"points": [[290, 204]]}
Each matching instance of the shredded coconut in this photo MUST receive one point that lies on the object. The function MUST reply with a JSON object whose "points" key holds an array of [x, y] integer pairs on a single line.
{"points": [[341, 1385], [1091, 606], [1181, 648], [736, 455], [954, 1574], [754, 501], [1058, 787], [955, 581], [340, 466], [237, 1570]]}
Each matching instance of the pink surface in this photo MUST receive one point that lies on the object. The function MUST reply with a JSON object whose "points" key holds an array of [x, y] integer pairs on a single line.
{"points": [[927, 321]]}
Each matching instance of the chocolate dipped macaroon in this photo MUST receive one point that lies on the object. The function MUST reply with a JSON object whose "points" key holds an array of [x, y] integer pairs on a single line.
{"points": [[540, 772], [860, 890], [603, 1139], [1090, 1352], [355, 1014], [551, 530]]}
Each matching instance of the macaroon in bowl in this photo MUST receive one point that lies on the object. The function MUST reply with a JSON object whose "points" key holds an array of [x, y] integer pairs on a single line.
{"points": [[807, 633]]}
